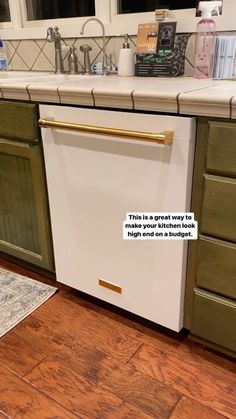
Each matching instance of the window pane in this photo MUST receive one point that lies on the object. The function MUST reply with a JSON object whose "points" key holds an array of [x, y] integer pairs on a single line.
{"points": [[132, 6], [4, 11], [55, 9]]}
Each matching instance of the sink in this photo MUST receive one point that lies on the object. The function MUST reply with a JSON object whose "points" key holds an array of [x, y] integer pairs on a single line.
{"points": [[5, 75], [37, 77], [68, 77]]}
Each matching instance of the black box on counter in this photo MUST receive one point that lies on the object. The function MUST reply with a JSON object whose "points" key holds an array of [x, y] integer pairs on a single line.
{"points": [[163, 64], [156, 37], [150, 69]]}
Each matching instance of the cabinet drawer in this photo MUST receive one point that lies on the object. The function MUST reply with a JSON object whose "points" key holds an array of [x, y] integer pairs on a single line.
{"points": [[18, 121], [219, 207], [217, 267], [221, 154], [214, 319]]}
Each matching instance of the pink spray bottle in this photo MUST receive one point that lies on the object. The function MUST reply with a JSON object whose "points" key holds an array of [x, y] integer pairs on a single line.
{"points": [[205, 41]]}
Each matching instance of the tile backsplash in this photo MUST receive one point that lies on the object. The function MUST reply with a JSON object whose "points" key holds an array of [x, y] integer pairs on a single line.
{"points": [[38, 55]]}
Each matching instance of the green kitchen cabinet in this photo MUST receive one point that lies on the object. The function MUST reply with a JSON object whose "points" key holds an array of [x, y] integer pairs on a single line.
{"points": [[19, 121], [25, 230], [218, 217], [216, 269], [221, 150], [214, 319], [210, 300]]}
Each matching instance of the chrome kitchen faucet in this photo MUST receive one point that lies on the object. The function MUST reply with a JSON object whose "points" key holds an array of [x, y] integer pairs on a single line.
{"points": [[105, 68], [53, 35]]}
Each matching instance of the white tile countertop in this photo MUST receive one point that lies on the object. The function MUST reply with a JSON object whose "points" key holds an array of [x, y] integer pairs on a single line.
{"points": [[181, 95]]}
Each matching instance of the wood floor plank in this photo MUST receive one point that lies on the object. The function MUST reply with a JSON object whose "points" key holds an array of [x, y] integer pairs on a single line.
{"points": [[19, 355], [187, 408], [214, 387], [157, 335], [67, 317], [137, 331], [76, 393], [144, 393], [36, 333], [199, 355], [19, 399], [121, 368]]}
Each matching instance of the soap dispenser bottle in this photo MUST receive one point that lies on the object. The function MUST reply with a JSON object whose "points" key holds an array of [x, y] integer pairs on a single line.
{"points": [[205, 41], [126, 60]]}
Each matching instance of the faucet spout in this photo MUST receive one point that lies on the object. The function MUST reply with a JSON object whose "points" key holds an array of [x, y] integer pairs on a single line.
{"points": [[105, 70]]}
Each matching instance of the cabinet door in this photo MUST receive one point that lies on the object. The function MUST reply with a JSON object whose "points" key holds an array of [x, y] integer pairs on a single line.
{"points": [[24, 217]]}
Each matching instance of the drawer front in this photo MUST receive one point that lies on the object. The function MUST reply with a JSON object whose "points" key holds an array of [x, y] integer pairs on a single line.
{"points": [[217, 267], [219, 207], [221, 155], [18, 121], [214, 319]]}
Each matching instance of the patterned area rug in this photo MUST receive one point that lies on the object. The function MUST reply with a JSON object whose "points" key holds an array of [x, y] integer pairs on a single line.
{"points": [[19, 297]]}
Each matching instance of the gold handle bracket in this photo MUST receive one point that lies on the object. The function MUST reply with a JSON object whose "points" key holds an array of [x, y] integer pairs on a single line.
{"points": [[165, 137]]}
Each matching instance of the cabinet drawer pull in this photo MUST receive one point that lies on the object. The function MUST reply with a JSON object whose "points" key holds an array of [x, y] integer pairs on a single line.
{"points": [[165, 137]]}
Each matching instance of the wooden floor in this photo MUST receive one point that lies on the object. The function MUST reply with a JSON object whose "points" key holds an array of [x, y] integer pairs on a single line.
{"points": [[75, 359]]}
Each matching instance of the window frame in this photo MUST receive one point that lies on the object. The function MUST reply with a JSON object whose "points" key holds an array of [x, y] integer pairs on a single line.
{"points": [[15, 16], [186, 19], [99, 12], [106, 11], [146, 16]]}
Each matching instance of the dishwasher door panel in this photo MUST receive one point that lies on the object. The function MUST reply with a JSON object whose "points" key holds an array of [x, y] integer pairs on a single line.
{"points": [[93, 181]]}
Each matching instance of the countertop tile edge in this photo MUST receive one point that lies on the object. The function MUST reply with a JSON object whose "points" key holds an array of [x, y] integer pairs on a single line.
{"points": [[75, 96], [113, 99], [204, 106]]}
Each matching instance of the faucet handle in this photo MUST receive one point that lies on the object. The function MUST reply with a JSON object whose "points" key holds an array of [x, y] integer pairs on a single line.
{"points": [[57, 33], [50, 34], [53, 34]]}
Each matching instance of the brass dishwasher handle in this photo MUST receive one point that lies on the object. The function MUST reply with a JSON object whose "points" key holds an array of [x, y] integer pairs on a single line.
{"points": [[165, 137]]}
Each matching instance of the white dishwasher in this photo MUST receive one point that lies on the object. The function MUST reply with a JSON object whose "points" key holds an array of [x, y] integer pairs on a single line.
{"points": [[94, 179]]}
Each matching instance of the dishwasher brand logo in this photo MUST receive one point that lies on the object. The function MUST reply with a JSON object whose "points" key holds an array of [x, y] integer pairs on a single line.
{"points": [[160, 226]]}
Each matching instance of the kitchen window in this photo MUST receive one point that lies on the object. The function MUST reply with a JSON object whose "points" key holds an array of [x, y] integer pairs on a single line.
{"points": [[4, 11], [58, 9], [68, 15], [129, 6], [130, 13], [10, 15], [28, 19]]}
